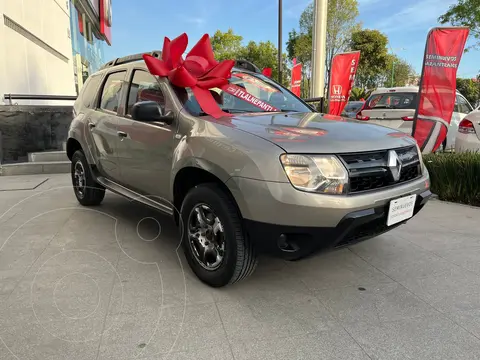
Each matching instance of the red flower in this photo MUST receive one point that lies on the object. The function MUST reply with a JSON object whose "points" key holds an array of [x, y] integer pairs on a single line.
{"points": [[199, 71]]}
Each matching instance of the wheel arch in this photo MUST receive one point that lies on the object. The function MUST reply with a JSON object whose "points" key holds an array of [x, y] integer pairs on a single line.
{"points": [[190, 176]]}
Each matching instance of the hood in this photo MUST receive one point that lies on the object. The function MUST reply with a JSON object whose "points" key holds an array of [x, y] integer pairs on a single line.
{"points": [[320, 133]]}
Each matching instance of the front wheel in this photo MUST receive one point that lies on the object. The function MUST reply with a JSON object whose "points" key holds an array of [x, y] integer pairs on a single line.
{"points": [[215, 245]]}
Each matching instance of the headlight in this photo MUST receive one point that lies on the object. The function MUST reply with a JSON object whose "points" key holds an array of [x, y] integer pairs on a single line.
{"points": [[315, 173]]}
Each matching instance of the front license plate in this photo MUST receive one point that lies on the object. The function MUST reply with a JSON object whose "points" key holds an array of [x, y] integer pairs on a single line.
{"points": [[401, 209]]}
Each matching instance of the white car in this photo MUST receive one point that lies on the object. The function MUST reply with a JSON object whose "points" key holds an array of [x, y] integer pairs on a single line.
{"points": [[395, 108], [468, 135]]}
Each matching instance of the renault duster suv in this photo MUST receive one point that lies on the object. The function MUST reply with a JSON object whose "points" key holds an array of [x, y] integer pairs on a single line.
{"points": [[289, 182]]}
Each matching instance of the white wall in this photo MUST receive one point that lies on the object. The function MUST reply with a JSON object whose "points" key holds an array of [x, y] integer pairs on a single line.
{"points": [[27, 68]]}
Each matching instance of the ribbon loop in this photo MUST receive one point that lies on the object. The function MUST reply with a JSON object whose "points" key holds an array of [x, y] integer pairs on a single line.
{"points": [[199, 71]]}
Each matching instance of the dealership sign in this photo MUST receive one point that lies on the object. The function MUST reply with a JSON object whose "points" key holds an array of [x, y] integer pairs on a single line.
{"points": [[437, 92], [342, 77], [296, 77]]}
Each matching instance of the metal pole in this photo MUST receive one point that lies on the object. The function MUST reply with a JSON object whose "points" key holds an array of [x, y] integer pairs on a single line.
{"points": [[319, 49], [280, 41], [393, 72]]}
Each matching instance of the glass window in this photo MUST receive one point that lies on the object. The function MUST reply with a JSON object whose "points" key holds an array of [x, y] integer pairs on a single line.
{"points": [[144, 87], [89, 90], [111, 91], [462, 106], [393, 101], [257, 85]]}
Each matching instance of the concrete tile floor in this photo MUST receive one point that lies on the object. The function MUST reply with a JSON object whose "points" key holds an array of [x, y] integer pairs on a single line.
{"points": [[110, 283]]}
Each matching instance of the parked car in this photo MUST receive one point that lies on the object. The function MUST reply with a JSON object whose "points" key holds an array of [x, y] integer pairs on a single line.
{"points": [[468, 136], [352, 108], [395, 108], [288, 183]]}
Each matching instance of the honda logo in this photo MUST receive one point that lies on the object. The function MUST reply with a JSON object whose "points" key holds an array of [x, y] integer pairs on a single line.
{"points": [[337, 89], [395, 165]]}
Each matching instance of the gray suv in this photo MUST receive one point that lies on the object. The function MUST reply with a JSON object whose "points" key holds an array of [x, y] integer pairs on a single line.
{"points": [[289, 182]]}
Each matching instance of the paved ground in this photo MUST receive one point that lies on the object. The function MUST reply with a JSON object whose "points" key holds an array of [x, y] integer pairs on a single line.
{"points": [[107, 283]]}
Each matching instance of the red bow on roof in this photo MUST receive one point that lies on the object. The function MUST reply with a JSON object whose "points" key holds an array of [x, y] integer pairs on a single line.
{"points": [[199, 71]]}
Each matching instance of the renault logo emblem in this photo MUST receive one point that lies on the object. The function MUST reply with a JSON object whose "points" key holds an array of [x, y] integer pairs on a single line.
{"points": [[394, 164]]}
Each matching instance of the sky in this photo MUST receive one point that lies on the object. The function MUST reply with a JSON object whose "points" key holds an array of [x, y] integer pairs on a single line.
{"points": [[141, 28]]}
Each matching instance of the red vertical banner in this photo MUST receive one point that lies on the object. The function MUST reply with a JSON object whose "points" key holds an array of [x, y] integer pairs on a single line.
{"points": [[342, 77], [296, 79], [438, 86], [106, 20]]}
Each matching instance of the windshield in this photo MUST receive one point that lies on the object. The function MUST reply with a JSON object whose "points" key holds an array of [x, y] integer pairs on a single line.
{"points": [[257, 85], [353, 106]]}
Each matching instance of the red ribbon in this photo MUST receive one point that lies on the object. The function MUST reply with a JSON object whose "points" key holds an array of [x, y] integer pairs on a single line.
{"points": [[199, 71]]}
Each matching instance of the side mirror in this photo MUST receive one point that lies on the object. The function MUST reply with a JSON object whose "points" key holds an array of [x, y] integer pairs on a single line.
{"points": [[149, 111]]}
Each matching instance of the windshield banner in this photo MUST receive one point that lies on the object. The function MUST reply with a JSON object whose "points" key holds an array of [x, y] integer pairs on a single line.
{"points": [[437, 93], [241, 93], [342, 77]]}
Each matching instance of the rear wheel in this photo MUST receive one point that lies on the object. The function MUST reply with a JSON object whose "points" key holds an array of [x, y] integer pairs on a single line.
{"points": [[87, 191], [215, 245]]}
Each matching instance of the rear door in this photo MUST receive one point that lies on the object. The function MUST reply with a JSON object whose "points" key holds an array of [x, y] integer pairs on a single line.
{"points": [[102, 125], [392, 109]]}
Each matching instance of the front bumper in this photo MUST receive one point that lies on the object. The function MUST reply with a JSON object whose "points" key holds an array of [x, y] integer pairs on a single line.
{"points": [[298, 241]]}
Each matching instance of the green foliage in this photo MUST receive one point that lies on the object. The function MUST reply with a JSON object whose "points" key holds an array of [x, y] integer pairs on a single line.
{"points": [[464, 13], [454, 177], [470, 89], [359, 93], [373, 58], [226, 45], [401, 70], [264, 54], [341, 22]]}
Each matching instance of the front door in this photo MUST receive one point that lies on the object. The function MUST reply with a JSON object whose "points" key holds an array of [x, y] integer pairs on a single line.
{"points": [[102, 124], [146, 149]]}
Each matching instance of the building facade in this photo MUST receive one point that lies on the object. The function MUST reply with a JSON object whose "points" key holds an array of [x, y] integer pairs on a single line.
{"points": [[90, 22], [48, 47]]}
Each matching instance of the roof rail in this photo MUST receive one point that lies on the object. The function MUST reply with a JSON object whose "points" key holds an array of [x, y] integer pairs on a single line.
{"points": [[130, 58], [248, 65]]}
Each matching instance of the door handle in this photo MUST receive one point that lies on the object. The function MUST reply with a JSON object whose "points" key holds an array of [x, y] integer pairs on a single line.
{"points": [[122, 134]]}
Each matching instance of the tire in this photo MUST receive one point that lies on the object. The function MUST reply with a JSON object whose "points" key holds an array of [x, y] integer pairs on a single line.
{"points": [[239, 256], [88, 192]]}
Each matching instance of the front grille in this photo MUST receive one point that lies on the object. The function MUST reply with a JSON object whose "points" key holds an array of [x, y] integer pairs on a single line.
{"points": [[370, 171]]}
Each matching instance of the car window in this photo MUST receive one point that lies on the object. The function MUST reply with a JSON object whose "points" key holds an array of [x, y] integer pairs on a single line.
{"points": [[111, 91], [462, 106], [144, 87], [90, 89], [392, 101], [353, 107]]}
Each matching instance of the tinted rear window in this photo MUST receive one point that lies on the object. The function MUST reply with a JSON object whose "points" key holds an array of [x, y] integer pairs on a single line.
{"points": [[392, 101]]}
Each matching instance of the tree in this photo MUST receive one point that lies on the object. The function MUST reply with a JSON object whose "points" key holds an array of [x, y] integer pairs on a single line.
{"points": [[470, 89], [464, 13], [398, 72], [264, 55], [341, 22], [359, 94], [226, 45], [373, 58]]}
